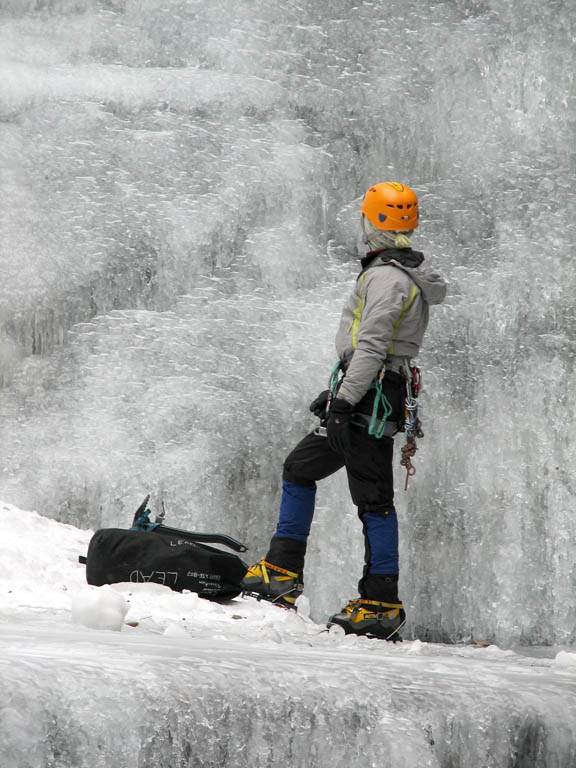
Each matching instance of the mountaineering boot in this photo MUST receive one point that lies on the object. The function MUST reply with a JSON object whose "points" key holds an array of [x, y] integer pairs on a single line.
{"points": [[379, 586], [278, 576], [266, 581], [371, 618]]}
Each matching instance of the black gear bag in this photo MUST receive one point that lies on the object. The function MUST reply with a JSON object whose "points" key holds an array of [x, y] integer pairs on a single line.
{"points": [[154, 552]]}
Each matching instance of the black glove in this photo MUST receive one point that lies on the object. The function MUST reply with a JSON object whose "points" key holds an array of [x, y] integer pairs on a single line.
{"points": [[338, 427], [318, 406]]}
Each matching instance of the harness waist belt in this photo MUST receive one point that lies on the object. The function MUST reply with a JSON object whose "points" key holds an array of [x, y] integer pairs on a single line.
{"points": [[363, 420]]}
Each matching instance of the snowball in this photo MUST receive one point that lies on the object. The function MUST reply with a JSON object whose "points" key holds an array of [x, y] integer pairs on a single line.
{"points": [[565, 659], [99, 608]]}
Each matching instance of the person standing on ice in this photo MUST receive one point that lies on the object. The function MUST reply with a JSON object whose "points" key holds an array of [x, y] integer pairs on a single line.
{"points": [[381, 330]]}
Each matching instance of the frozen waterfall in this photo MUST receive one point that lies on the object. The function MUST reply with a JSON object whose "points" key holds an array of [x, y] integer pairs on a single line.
{"points": [[179, 192]]}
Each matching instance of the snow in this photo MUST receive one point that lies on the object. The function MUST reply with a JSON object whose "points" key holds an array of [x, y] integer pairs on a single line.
{"points": [[135, 675]]}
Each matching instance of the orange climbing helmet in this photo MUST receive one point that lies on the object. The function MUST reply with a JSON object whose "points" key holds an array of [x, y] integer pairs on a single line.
{"points": [[391, 206]]}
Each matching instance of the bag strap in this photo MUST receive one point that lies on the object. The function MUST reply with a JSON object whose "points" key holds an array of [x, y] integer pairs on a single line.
{"points": [[142, 522]]}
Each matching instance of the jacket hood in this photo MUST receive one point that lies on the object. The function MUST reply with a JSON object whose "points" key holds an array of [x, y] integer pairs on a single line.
{"points": [[430, 281]]}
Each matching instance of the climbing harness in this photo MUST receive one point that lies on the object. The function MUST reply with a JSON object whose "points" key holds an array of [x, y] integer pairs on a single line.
{"points": [[412, 423], [381, 408]]}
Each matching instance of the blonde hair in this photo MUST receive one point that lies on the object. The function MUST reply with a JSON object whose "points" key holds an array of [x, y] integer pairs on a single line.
{"points": [[380, 238], [402, 240]]}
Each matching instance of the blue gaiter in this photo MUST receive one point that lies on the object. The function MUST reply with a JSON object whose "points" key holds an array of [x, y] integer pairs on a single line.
{"points": [[296, 511], [382, 534]]}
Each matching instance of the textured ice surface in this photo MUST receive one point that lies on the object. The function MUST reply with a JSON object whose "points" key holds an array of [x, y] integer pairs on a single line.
{"points": [[180, 183], [201, 698], [190, 683]]}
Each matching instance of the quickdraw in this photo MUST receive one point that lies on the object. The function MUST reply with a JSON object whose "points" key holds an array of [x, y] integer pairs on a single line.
{"points": [[412, 423], [333, 386], [379, 400], [334, 382]]}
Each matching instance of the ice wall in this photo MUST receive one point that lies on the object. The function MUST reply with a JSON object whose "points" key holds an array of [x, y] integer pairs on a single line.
{"points": [[180, 184], [205, 701]]}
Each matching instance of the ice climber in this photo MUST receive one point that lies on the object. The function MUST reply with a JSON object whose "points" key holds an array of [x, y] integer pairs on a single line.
{"points": [[381, 330]]}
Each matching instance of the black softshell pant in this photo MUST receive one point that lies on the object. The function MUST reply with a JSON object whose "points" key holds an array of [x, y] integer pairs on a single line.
{"points": [[368, 466], [368, 463]]}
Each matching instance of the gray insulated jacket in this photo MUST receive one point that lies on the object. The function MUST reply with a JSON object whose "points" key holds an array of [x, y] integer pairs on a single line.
{"points": [[385, 318]]}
